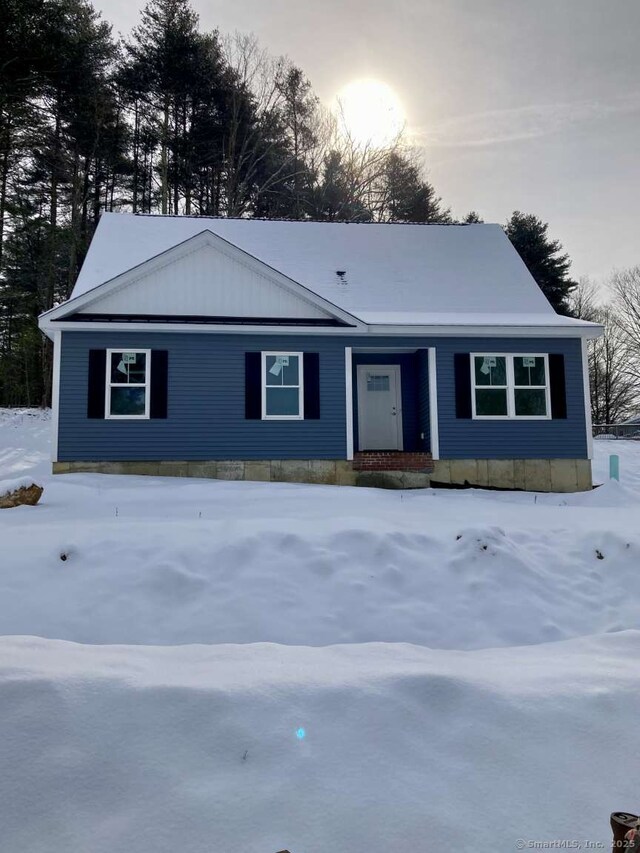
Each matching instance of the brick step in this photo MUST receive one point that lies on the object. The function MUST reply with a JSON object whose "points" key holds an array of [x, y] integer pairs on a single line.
{"points": [[392, 460]]}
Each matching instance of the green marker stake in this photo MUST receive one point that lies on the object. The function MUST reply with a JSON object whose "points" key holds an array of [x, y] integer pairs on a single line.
{"points": [[614, 467]]}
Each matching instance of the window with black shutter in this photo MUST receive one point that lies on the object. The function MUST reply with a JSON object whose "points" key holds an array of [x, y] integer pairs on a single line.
{"points": [[282, 386], [127, 384]]}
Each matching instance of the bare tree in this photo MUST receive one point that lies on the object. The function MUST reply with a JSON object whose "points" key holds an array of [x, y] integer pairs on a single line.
{"points": [[625, 285], [613, 382]]}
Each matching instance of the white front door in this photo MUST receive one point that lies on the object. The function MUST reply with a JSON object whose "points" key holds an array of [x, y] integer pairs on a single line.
{"points": [[379, 410]]}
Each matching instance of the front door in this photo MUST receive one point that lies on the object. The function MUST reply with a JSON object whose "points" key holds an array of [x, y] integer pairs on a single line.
{"points": [[379, 410]]}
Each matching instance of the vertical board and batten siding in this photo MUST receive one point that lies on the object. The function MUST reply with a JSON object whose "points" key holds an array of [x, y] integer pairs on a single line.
{"points": [[211, 283], [206, 401]]}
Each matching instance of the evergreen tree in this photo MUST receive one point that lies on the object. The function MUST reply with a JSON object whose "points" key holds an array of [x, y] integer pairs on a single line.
{"points": [[472, 218], [335, 197], [298, 110], [544, 258], [50, 175], [161, 72], [405, 196]]}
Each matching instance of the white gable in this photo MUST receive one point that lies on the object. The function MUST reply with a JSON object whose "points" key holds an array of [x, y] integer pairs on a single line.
{"points": [[203, 277]]}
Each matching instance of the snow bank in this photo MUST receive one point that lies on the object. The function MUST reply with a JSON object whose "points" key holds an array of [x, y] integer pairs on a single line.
{"points": [[158, 750], [206, 581], [139, 560]]}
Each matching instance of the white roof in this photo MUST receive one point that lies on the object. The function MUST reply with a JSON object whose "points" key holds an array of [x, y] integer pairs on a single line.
{"points": [[393, 273]]}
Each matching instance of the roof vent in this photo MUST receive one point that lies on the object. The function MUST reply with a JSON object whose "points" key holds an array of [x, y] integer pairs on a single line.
{"points": [[342, 276]]}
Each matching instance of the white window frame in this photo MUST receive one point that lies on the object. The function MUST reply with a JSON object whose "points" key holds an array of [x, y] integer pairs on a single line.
{"points": [[300, 386], [109, 385], [511, 387]]}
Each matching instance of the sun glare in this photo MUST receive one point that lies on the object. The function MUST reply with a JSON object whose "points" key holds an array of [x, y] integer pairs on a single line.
{"points": [[370, 112]]}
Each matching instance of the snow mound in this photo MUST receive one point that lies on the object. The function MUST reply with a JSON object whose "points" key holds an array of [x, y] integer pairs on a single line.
{"points": [[148, 582], [357, 749], [137, 560]]}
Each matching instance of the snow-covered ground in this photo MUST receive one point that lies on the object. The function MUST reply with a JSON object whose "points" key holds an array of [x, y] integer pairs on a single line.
{"points": [[495, 732]]}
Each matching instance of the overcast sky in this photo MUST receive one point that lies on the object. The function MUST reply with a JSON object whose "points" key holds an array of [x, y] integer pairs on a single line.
{"points": [[520, 104]]}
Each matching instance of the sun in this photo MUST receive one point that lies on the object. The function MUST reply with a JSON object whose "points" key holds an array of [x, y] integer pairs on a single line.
{"points": [[370, 112]]}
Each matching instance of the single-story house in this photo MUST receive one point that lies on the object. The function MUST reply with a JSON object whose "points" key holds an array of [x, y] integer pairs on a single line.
{"points": [[374, 354]]}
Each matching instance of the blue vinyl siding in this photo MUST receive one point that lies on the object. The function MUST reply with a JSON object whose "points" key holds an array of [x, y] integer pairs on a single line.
{"points": [[206, 403], [511, 439], [206, 410]]}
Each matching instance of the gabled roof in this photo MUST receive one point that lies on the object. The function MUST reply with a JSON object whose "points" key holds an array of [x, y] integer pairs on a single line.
{"points": [[382, 274], [225, 283]]}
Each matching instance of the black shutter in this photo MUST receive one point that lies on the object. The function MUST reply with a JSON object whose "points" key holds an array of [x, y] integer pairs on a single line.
{"points": [[558, 386], [462, 370], [311, 361], [253, 385], [159, 383], [96, 385]]}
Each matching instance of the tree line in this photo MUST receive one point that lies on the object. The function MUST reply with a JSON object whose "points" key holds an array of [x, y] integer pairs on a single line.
{"points": [[174, 120], [614, 358]]}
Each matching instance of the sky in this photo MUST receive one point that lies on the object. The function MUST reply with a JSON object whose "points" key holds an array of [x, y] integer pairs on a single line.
{"points": [[530, 105]]}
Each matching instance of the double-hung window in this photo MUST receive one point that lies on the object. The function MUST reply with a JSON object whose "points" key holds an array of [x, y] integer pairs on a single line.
{"points": [[282, 386], [127, 385], [510, 386]]}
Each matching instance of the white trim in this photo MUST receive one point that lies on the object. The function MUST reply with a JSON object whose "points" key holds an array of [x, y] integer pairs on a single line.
{"points": [[198, 328], [264, 386], [108, 385], [473, 330], [361, 371], [433, 403], [510, 387], [186, 247], [348, 382], [587, 398], [49, 325], [55, 394]]}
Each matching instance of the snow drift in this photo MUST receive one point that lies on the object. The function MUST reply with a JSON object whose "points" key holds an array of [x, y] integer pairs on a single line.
{"points": [[195, 748], [107, 559]]}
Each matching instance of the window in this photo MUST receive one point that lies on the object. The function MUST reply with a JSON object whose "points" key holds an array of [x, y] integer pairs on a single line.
{"points": [[127, 385], [491, 385], [530, 386], [377, 383], [510, 386], [282, 386]]}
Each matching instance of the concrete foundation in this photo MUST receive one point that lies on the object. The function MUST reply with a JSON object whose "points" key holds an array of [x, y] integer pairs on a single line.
{"points": [[531, 475], [536, 475]]}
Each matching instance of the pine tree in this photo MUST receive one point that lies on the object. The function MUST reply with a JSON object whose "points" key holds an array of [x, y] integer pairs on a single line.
{"points": [[161, 72], [51, 174], [405, 195], [544, 258]]}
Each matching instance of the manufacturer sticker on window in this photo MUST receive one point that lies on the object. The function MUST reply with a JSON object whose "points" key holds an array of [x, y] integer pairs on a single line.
{"points": [[280, 362], [488, 362]]}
